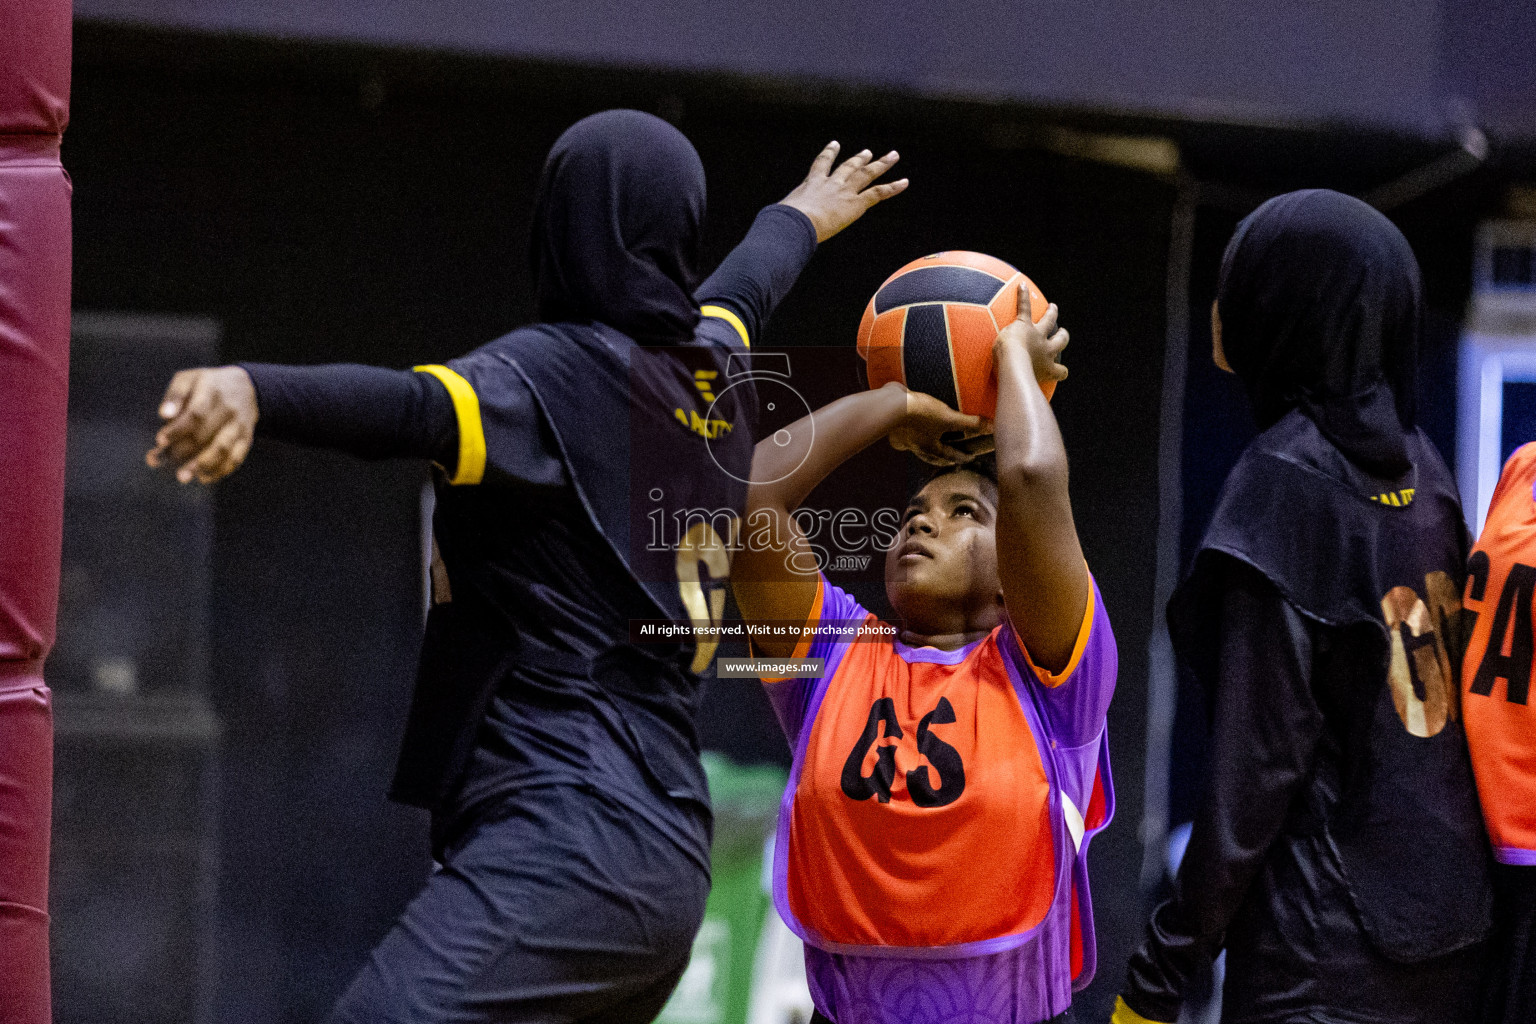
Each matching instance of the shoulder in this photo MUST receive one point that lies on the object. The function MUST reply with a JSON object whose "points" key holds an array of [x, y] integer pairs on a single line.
{"points": [[504, 361], [558, 348], [1093, 653], [1290, 479], [835, 621], [524, 340], [1196, 613], [1523, 460], [1517, 476], [837, 605], [491, 378], [1290, 451], [841, 622], [1283, 511]]}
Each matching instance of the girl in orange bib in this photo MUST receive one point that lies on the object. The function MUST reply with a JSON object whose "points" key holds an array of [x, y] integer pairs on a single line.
{"points": [[1501, 727], [949, 768]]}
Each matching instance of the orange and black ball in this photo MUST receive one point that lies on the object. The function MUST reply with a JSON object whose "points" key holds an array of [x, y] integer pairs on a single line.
{"points": [[931, 326]]}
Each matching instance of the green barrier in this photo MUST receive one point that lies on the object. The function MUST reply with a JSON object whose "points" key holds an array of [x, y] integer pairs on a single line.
{"points": [[717, 986]]}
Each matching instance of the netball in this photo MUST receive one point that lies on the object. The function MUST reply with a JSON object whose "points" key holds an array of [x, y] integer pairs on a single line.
{"points": [[932, 323]]}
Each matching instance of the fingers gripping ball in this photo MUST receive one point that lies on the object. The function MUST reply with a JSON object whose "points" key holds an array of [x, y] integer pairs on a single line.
{"points": [[932, 323]]}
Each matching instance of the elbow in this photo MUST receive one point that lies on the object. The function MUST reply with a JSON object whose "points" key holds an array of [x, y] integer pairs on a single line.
{"points": [[762, 496], [766, 489], [1032, 472]]}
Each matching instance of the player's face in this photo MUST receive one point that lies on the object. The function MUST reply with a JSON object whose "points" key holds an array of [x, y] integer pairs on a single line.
{"points": [[941, 571]]}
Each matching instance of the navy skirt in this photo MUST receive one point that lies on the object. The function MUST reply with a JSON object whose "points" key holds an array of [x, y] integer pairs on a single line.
{"points": [[560, 907]]}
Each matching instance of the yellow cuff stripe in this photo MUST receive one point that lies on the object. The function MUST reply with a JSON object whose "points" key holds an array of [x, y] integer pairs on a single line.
{"points": [[466, 408], [730, 318], [1125, 1015]]}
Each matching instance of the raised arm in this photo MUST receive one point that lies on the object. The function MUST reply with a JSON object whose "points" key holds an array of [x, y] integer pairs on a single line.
{"points": [[213, 414], [775, 574], [1039, 560], [759, 272]]}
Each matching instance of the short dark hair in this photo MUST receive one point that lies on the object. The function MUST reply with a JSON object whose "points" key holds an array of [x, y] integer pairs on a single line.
{"points": [[984, 466]]}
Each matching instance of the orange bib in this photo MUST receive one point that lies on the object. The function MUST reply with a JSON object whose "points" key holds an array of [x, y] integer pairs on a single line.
{"points": [[1496, 672], [922, 813]]}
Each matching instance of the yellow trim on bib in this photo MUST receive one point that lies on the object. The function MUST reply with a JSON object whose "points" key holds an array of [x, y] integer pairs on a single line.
{"points": [[1125, 1015], [731, 318], [466, 409]]}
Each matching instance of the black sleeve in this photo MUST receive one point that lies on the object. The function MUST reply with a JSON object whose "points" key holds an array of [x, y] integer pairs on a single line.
{"points": [[760, 271], [365, 411], [1265, 731], [504, 437]]}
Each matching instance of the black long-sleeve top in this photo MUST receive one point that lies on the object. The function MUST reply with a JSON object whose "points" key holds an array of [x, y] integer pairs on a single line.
{"points": [[1265, 730], [576, 706], [1259, 877], [378, 413]]}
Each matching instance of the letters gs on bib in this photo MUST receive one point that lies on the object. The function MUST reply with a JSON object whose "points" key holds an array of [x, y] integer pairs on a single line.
{"points": [[1425, 656], [944, 758], [1514, 606], [702, 547]]}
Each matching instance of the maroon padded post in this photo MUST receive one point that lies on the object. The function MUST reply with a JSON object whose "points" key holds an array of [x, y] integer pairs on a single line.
{"points": [[34, 377]]}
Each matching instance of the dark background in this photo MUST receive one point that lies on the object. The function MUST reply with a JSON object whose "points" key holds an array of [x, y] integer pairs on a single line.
{"points": [[1374, 61], [334, 202]]}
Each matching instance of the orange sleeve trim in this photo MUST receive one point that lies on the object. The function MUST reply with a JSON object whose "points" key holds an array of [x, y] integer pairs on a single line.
{"points": [[807, 636], [1084, 631]]}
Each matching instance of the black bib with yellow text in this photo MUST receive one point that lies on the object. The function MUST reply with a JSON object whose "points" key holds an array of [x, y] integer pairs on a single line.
{"points": [[655, 444], [1381, 564]]}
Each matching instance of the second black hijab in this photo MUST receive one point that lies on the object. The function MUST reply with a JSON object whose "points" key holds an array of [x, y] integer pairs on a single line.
{"points": [[1319, 299], [617, 225]]}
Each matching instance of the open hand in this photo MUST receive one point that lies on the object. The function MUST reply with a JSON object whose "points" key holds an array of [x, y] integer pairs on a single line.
{"points": [[921, 430], [210, 420], [1041, 342], [833, 199]]}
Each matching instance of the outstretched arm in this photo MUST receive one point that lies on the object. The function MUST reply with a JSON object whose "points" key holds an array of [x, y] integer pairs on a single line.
{"points": [[759, 272], [832, 199], [212, 415], [1039, 560], [775, 576]]}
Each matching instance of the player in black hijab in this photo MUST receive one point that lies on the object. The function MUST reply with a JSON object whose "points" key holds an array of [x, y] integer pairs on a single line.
{"points": [[558, 756], [616, 228], [1320, 310], [1338, 855]]}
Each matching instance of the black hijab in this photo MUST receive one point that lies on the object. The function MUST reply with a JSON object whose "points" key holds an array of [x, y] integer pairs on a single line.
{"points": [[616, 227], [1319, 301]]}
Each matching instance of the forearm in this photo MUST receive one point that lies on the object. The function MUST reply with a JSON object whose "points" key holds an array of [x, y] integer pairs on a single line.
{"points": [[759, 272], [1040, 560], [775, 575], [1031, 457], [819, 443], [365, 411]]}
